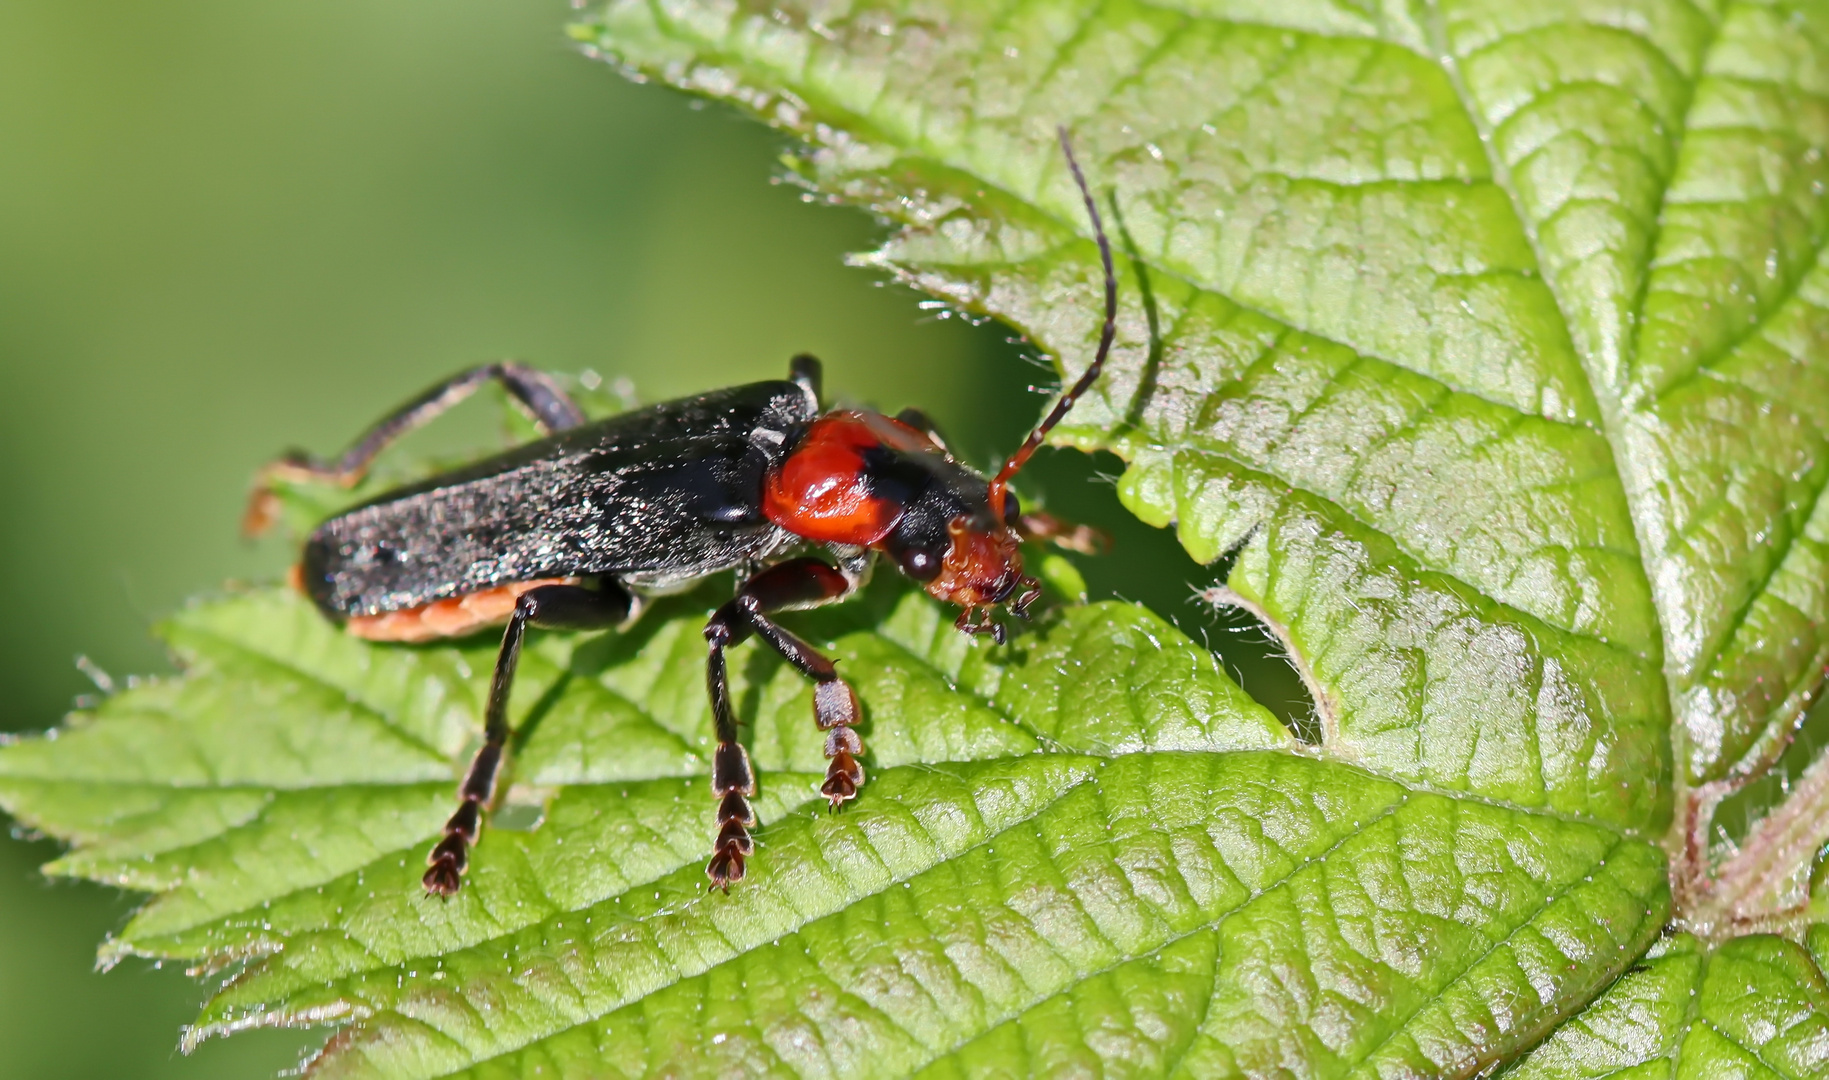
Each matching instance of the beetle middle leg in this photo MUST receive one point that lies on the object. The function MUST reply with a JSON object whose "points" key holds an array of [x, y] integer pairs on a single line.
{"points": [[796, 583], [536, 392], [554, 607]]}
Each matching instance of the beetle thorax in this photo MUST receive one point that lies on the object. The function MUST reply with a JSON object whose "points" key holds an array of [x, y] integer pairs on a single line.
{"points": [[864, 479]]}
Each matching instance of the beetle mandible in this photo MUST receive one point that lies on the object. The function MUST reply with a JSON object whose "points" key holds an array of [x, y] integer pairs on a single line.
{"points": [[568, 531]]}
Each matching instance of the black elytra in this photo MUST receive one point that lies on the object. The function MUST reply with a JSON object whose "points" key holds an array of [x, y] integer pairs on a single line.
{"points": [[568, 531]]}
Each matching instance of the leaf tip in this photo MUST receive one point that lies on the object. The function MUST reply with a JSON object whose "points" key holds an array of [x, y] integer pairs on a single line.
{"points": [[111, 953]]}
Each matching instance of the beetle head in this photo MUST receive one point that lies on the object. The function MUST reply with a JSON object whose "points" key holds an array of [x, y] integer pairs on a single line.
{"points": [[982, 565], [862, 479], [949, 540]]}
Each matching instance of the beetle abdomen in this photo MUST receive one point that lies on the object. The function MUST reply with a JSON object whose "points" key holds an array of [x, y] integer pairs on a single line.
{"points": [[446, 618], [632, 497]]}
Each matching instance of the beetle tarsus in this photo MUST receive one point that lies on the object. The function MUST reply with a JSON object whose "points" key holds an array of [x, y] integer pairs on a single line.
{"points": [[732, 782], [725, 868], [843, 775], [801, 582], [451, 856], [977, 621], [446, 865], [443, 879]]}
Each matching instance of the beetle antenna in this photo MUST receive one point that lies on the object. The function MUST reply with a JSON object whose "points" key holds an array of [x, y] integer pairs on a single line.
{"points": [[1027, 449]]}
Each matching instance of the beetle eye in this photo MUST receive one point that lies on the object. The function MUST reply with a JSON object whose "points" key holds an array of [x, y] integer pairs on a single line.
{"points": [[920, 565], [1012, 509]]}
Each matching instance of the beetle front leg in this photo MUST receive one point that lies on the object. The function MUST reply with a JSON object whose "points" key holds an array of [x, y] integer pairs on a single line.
{"points": [[792, 584], [924, 424], [1045, 528], [535, 391], [554, 607]]}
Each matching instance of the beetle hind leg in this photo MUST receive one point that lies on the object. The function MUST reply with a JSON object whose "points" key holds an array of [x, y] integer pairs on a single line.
{"points": [[536, 392], [733, 781]]}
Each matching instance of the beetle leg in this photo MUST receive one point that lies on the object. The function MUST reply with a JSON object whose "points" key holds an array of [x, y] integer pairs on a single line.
{"points": [[557, 607], [1049, 529], [793, 584], [922, 423], [809, 374], [535, 391]]}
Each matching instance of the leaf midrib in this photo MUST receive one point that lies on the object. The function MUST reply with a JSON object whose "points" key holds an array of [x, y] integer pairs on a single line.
{"points": [[1632, 396], [1612, 407]]}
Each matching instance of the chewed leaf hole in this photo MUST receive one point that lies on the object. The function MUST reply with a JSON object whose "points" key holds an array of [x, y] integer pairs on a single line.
{"points": [[1742, 810], [1259, 661], [1148, 565]]}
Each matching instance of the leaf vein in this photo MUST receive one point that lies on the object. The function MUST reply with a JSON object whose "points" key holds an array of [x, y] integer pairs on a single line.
{"points": [[1494, 946]]}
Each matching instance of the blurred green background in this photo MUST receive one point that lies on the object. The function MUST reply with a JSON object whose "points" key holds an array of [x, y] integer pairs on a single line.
{"points": [[232, 228]]}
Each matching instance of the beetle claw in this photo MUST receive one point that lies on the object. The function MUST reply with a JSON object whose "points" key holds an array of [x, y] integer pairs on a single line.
{"points": [[443, 879], [726, 867], [843, 777]]}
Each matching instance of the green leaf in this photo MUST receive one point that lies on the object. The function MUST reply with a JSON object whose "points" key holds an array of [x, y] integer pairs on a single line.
{"points": [[1753, 1007], [1346, 358], [1487, 336], [1490, 334], [1491, 331], [1094, 809]]}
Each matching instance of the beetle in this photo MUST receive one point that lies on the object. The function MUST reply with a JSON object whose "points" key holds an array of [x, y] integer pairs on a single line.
{"points": [[569, 532]]}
